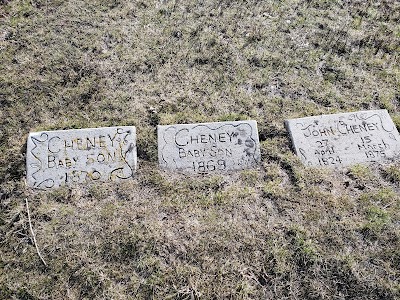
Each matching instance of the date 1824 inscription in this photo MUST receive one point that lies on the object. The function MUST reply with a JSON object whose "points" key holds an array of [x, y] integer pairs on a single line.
{"points": [[345, 139], [209, 147], [65, 157]]}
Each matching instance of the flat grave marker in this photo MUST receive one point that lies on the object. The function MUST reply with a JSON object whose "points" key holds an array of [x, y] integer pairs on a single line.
{"points": [[209, 147], [344, 139], [64, 157]]}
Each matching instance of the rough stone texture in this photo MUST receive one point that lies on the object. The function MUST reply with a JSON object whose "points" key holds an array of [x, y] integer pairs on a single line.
{"points": [[209, 147], [345, 139], [65, 157]]}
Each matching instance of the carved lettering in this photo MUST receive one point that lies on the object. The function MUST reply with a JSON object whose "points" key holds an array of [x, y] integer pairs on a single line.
{"points": [[58, 158], [208, 147], [344, 139]]}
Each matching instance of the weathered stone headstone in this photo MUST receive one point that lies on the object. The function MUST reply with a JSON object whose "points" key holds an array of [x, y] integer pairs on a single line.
{"points": [[65, 157], [209, 147], [345, 139]]}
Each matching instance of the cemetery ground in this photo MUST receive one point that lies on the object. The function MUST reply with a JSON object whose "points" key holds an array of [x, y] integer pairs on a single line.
{"points": [[280, 231]]}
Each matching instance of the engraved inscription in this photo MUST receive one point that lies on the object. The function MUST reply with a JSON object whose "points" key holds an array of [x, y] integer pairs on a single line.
{"points": [[345, 139], [209, 147], [57, 158]]}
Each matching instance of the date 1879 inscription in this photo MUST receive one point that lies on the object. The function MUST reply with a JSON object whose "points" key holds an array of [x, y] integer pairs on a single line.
{"points": [[345, 139], [64, 157], [209, 147]]}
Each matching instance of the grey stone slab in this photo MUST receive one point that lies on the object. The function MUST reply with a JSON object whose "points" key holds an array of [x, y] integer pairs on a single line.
{"points": [[209, 147], [66, 157], [344, 139]]}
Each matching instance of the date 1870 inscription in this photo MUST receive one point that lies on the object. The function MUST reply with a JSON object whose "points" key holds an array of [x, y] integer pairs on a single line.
{"points": [[345, 139], [64, 157], [209, 147]]}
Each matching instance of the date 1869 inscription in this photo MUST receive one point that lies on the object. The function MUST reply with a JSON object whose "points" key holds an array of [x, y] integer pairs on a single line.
{"points": [[345, 139], [65, 157], [208, 147]]}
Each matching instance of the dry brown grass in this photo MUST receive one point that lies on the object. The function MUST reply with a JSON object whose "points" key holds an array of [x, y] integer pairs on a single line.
{"points": [[282, 231]]}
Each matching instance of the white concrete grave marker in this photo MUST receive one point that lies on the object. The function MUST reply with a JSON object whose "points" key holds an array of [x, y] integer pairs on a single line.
{"points": [[65, 157], [344, 139], [209, 147]]}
